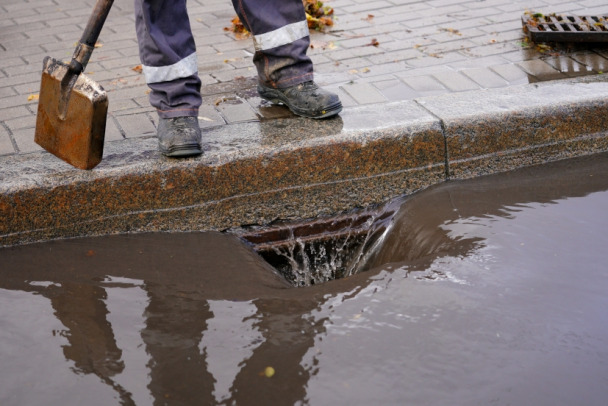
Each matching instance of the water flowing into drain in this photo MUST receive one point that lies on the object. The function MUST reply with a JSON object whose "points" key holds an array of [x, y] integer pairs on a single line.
{"points": [[324, 249]]}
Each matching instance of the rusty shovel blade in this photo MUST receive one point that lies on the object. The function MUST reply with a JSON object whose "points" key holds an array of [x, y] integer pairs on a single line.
{"points": [[71, 119]]}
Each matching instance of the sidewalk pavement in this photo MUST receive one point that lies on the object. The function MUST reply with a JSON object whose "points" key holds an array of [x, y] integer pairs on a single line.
{"points": [[421, 48], [432, 90]]}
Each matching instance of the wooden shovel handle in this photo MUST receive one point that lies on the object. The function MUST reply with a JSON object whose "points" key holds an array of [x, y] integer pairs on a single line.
{"points": [[85, 47], [96, 21]]}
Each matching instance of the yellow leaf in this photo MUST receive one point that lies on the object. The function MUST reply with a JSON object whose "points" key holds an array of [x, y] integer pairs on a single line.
{"points": [[269, 372], [33, 97]]}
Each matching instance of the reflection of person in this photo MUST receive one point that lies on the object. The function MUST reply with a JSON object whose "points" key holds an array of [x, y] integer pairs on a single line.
{"points": [[168, 55], [289, 333], [175, 322], [274, 324], [92, 346]]}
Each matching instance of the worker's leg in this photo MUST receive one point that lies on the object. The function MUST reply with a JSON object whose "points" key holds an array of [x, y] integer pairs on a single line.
{"points": [[168, 55], [281, 38], [285, 72]]}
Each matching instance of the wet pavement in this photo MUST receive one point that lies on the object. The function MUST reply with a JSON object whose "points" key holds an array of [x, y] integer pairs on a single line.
{"points": [[377, 52], [484, 291], [433, 90]]}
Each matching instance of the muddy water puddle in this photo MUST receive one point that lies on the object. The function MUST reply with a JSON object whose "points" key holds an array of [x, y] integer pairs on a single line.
{"points": [[489, 291]]}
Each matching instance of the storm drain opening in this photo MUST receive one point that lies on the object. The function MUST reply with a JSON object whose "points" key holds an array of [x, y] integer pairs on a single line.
{"points": [[321, 250], [565, 28]]}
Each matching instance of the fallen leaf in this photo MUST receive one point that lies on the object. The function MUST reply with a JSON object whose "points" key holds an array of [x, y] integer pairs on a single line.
{"points": [[98, 45], [365, 70], [451, 31], [33, 97], [237, 27], [318, 16], [319, 44], [137, 69], [269, 372], [369, 17], [374, 42]]}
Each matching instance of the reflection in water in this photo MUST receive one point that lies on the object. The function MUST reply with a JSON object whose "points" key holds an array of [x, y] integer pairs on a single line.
{"points": [[91, 344], [232, 336], [175, 322], [209, 326], [92, 347], [157, 319]]}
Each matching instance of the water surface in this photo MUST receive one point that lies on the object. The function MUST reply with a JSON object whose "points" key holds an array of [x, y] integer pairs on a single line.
{"points": [[486, 292]]}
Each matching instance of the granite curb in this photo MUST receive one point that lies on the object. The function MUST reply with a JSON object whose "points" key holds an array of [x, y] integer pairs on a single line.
{"points": [[256, 173]]}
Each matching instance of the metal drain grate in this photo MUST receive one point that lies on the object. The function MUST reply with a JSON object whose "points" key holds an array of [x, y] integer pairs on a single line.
{"points": [[317, 251], [565, 28]]}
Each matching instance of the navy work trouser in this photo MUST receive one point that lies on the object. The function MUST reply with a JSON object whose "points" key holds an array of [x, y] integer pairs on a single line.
{"points": [[168, 52]]}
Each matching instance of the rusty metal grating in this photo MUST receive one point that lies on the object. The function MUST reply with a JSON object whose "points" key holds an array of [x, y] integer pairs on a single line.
{"points": [[316, 251], [565, 28]]}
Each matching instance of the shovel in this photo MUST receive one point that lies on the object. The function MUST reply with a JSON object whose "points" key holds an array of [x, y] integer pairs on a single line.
{"points": [[72, 108]]}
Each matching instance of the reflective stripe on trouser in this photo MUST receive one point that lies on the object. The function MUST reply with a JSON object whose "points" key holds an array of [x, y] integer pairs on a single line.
{"points": [[281, 39], [168, 56]]}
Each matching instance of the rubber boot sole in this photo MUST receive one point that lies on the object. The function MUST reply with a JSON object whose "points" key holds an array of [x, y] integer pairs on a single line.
{"points": [[275, 96], [181, 151]]}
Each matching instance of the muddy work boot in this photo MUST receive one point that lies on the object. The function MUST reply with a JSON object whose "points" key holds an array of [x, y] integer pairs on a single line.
{"points": [[179, 137], [305, 99]]}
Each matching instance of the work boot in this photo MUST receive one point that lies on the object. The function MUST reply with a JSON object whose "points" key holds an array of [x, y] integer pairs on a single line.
{"points": [[305, 99], [179, 136]]}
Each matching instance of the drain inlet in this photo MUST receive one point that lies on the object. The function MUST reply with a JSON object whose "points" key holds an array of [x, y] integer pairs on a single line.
{"points": [[321, 250], [565, 28]]}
